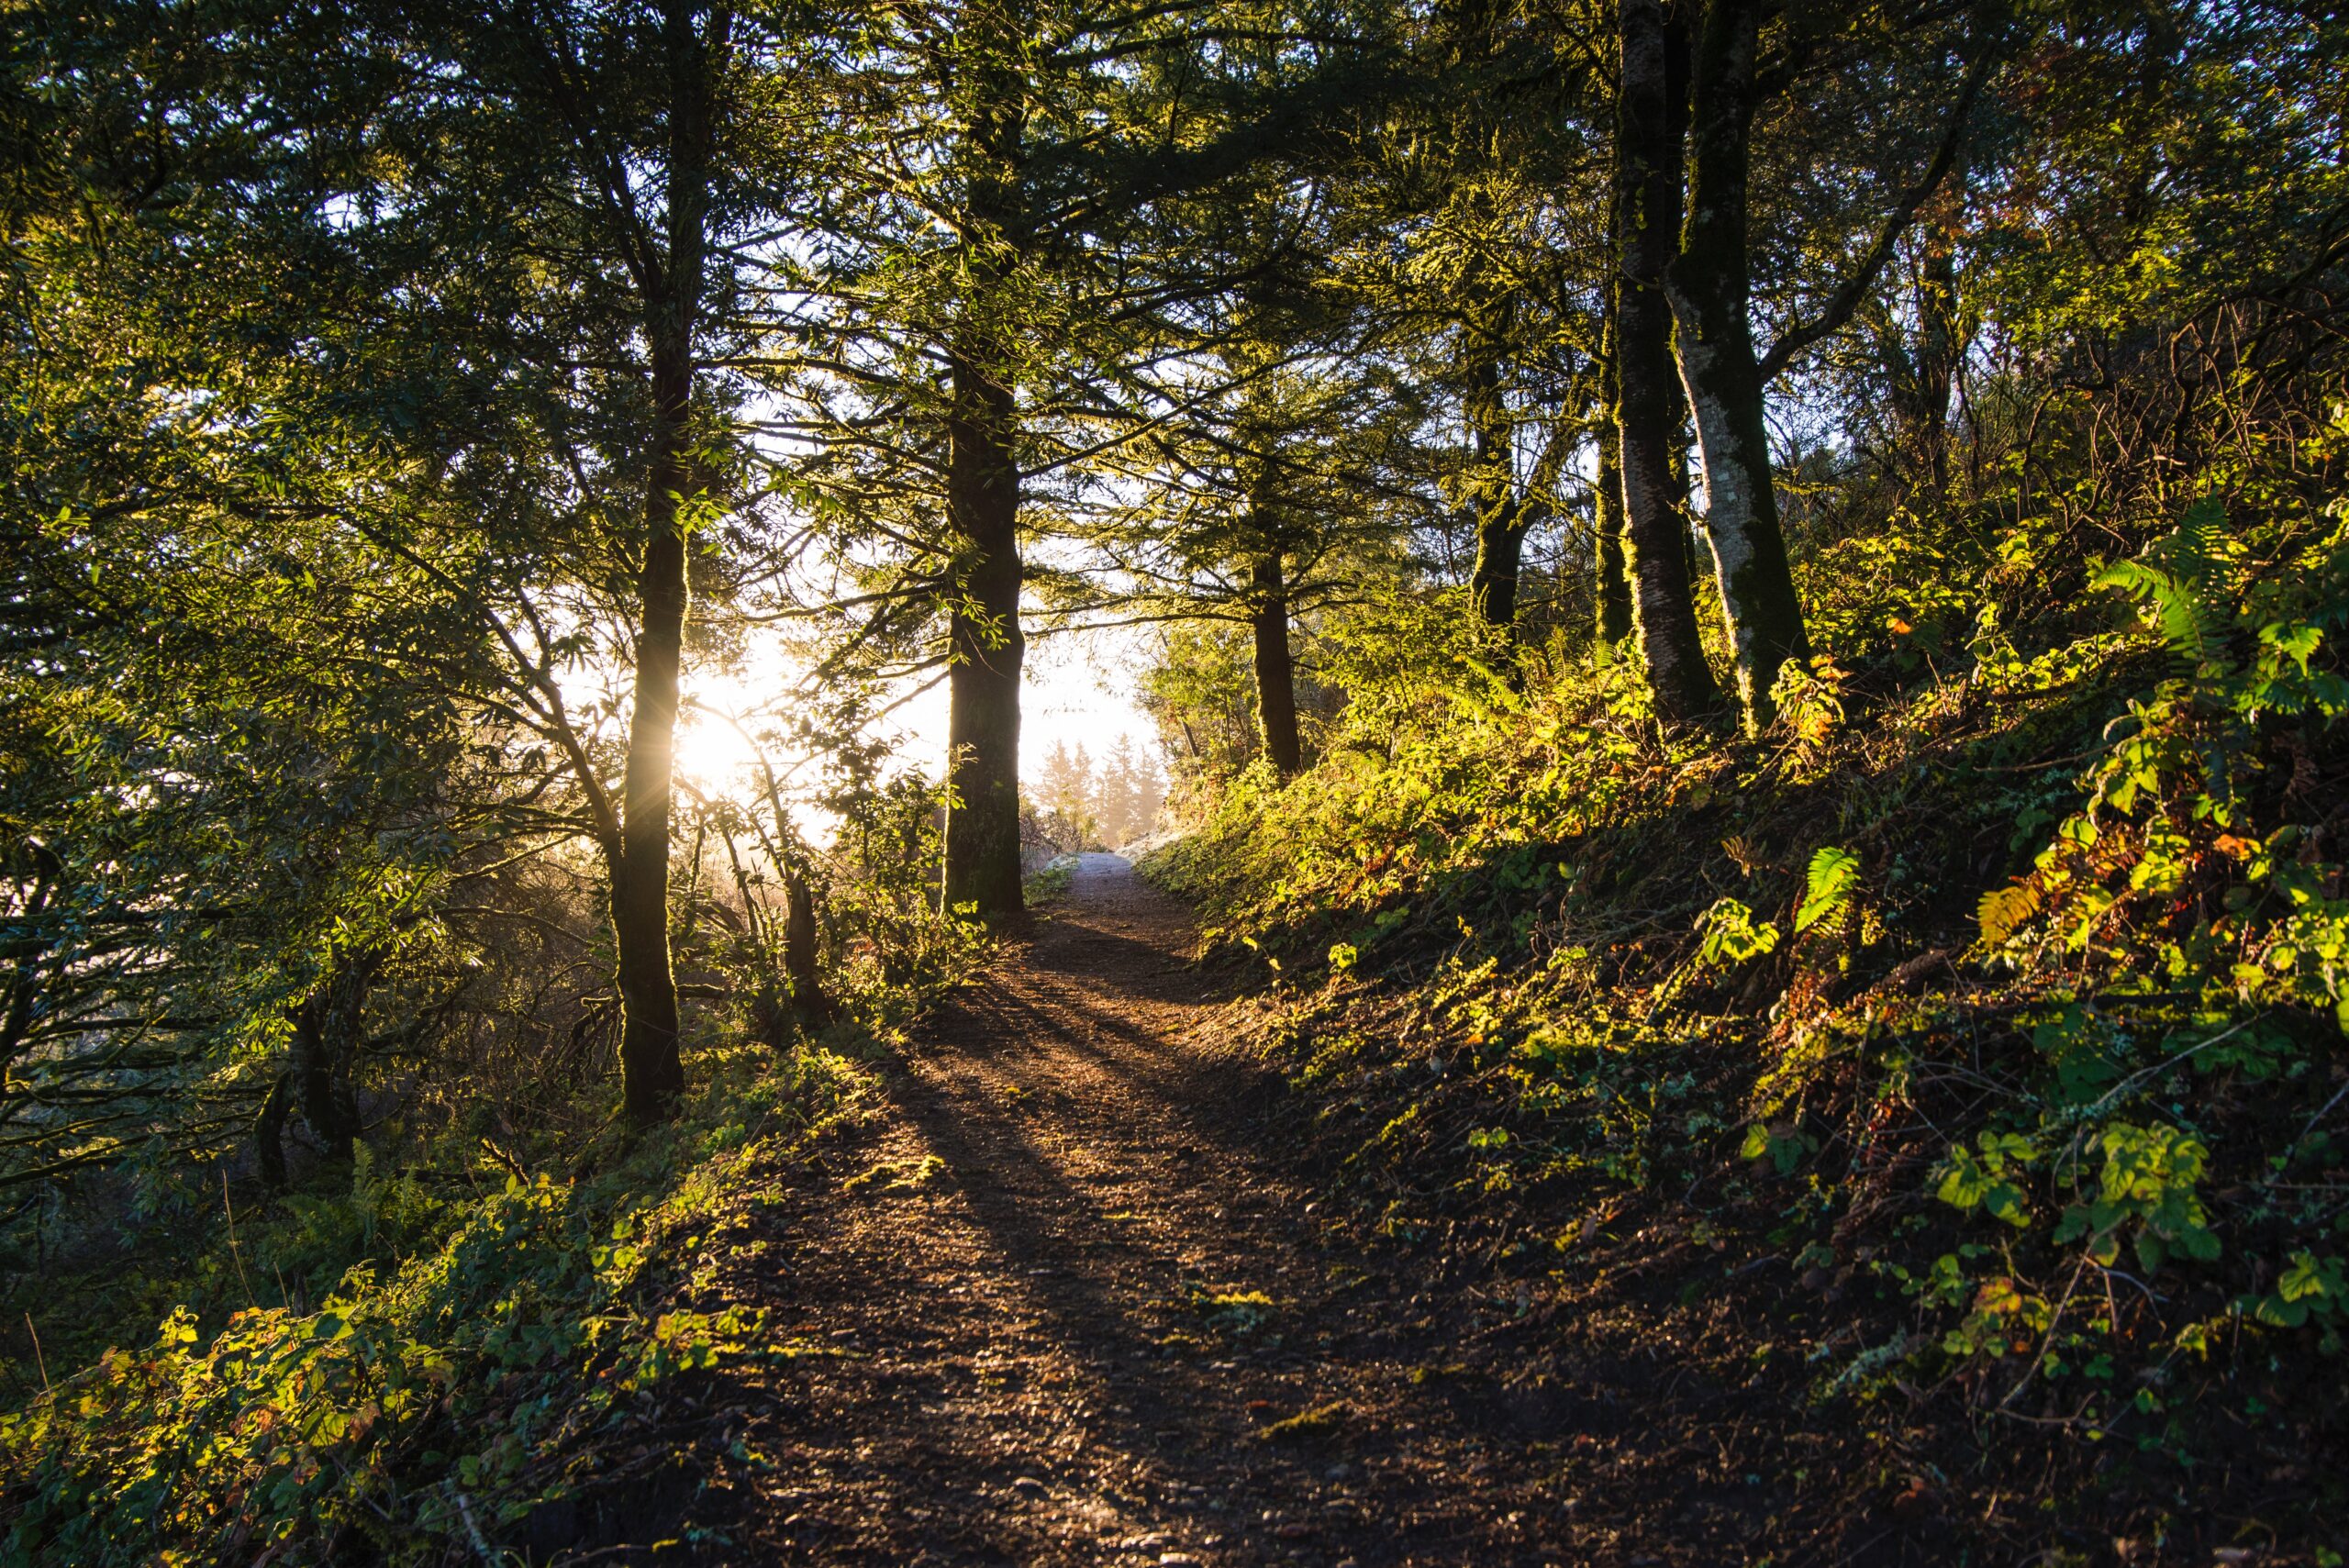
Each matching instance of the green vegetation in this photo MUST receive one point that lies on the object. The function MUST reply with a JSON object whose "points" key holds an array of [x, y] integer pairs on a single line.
{"points": [[1745, 602], [449, 1385], [1995, 989]]}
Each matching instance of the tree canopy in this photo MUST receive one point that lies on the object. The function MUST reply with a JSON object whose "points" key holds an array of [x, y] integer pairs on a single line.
{"points": [[1631, 489]]}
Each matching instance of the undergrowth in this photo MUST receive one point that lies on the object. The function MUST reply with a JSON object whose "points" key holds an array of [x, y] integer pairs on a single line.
{"points": [[427, 1407], [1985, 1016]]}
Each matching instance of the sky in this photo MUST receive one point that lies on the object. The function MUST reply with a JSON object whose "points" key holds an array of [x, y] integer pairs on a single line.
{"points": [[1078, 691]]}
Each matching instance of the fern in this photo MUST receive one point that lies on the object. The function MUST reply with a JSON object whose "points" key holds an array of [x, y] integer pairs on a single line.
{"points": [[2183, 580], [2005, 910], [1834, 876]]}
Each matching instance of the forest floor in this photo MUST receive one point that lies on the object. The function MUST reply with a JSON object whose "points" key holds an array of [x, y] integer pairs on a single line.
{"points": [[1070, 1299]]}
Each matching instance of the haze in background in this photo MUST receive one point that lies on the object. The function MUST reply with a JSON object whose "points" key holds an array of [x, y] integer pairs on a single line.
{"points": [[1079, 693]]}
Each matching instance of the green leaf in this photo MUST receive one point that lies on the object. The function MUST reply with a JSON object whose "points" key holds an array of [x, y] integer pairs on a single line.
{"points": [[1834, 875]]}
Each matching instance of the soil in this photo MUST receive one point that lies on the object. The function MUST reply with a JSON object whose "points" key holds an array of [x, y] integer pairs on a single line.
{"points": [[1074, 1300]]}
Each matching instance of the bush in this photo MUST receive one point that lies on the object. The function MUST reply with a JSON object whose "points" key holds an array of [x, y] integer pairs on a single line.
{"points": [[427, 1404]]}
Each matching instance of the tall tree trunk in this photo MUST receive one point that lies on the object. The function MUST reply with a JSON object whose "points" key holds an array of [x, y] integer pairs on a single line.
{"points": [[1614, 579], [985, 644], [1708, 285], [1923, 389], [269, 1132], [1501, 514], [328, 1029], [1937, 356], [652, 1075], [1607, 506], [1500, 554], [1275, 670], [1680, 491], [1648, 137], [987, 647]]}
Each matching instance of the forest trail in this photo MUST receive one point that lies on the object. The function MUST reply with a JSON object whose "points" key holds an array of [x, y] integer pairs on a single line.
{"points": [[1017, 1352]]}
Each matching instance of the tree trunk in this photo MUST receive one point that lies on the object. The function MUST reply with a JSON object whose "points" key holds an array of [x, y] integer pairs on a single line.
{"points": [[1614, 580], [809, 1005], [1680, 490], [1923, 389], [269, 1132], [652, 1074], [1501, 516], [986, 646], [1937, 357], [1275, 670], [1500, 552], [1607, 509], [1647, 403], [328, 1029], [1708, 285]]}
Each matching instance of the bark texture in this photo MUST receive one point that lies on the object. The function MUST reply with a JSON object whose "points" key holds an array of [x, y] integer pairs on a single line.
{"points": [[1708, 286], [1614, 579], [652, 1074], [1648, 138], [1501, 514], [1614, 594], [986, 646], [1275, 669]]}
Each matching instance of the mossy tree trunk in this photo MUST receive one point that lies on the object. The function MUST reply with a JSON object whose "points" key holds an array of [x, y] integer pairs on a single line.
{"points": [[1500, 513], [1648, 411], [1614, 591], [329, 1029], [1707, 285], [1500, 553]]}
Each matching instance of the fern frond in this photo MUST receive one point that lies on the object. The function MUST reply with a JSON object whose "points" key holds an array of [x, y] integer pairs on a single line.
{"points": [[1828, 889], [2197, 554], [2005, 910], [2175, 614], [2185, 580]]}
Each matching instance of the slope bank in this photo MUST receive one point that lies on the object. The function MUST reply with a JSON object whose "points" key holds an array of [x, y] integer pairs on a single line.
{"points": [[1951, 1079]]}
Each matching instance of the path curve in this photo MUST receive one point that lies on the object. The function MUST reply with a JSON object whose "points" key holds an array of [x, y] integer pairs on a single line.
{"points": [[1064, 1306]]}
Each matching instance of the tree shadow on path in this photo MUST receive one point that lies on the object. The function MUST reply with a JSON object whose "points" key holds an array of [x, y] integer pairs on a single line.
{"points": [[1072, 1291]]}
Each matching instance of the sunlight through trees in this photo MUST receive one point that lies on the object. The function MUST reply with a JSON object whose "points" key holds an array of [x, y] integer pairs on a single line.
{"points": [[1729, 612]]}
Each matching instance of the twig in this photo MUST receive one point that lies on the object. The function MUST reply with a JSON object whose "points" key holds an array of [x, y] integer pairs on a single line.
{"points": [[2036, 767], [2055, 1321], [39, 1360], [2118, 1090], [2320, 1114], [251, 1299], [466, 1512]]}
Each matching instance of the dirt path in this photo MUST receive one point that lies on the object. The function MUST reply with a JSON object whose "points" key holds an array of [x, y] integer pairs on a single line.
{"points": [[1058, 1314]]}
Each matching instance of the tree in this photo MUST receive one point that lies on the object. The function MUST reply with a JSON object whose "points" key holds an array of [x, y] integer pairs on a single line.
{"points": [[629, 144], [1649, 129], [995, 305], [1709, 284]]}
